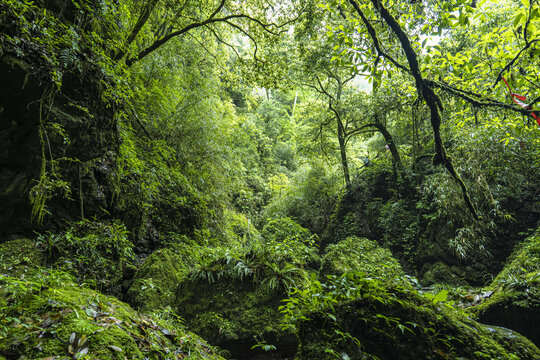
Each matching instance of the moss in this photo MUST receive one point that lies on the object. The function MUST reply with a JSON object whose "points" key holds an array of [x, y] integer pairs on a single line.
{"points": [[515, 302], [398, 323], [360, 254], [156, 281], [125, 345], [232, 296], [48, 315], [440, 273], [20, 257]]}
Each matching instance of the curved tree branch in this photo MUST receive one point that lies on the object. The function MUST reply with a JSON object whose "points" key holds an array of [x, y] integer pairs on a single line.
{"points": [[477, 100], [375, 39], [160, 42], [509, 65], [225, 43]]}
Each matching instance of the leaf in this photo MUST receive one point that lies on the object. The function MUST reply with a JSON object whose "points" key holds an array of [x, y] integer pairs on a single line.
{"points": [[518, 18], [115, 348], [91, 312], [441, 296], [82, 341]]}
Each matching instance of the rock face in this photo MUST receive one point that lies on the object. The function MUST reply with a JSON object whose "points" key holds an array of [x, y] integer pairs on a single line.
{"points": [[515, 303], [58, 138], [37, 124]]}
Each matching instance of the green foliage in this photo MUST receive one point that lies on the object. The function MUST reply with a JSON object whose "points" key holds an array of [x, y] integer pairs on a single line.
{"points": [[285, 241], [522, 268], [20, 258], [203, 159], [240, 229], [401, 226], [309, 198], [323, 296], [276, 260], [514, 293], [59, 45], [96, 252]]}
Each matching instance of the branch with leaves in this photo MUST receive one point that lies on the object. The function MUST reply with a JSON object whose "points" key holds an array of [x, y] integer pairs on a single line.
{"points": [[426, 91], [270, 28], [528, 44]]}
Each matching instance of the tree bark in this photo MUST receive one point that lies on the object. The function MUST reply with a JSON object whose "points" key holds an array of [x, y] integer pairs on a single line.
{"points": [[341, 133]]}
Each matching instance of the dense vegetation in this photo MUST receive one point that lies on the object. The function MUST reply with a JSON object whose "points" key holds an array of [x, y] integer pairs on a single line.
{"points": [[330, 179]]}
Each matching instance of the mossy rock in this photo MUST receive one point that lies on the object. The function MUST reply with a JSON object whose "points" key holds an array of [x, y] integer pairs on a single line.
{"points": [[232, 295], [234, 315], [400, 324], [48, 316], [20, 257], [356, 254], [440, 273], [156, 282], [515, 302]]}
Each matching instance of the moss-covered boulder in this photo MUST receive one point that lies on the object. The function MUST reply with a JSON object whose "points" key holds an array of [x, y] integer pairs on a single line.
{"points": [[376, 321], [235, 315], [360, 254], [156, 282], [515, 302], [239, 227], [232, 296], [49, 316], [20, 258], [233, 302]]}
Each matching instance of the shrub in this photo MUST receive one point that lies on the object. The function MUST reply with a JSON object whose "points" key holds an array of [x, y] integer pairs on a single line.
{"points": [[96, 252]]}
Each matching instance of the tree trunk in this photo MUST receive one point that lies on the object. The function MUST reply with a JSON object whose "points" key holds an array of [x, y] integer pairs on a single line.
{"points": [[396, 159], [143, 18], [343, 152]]}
